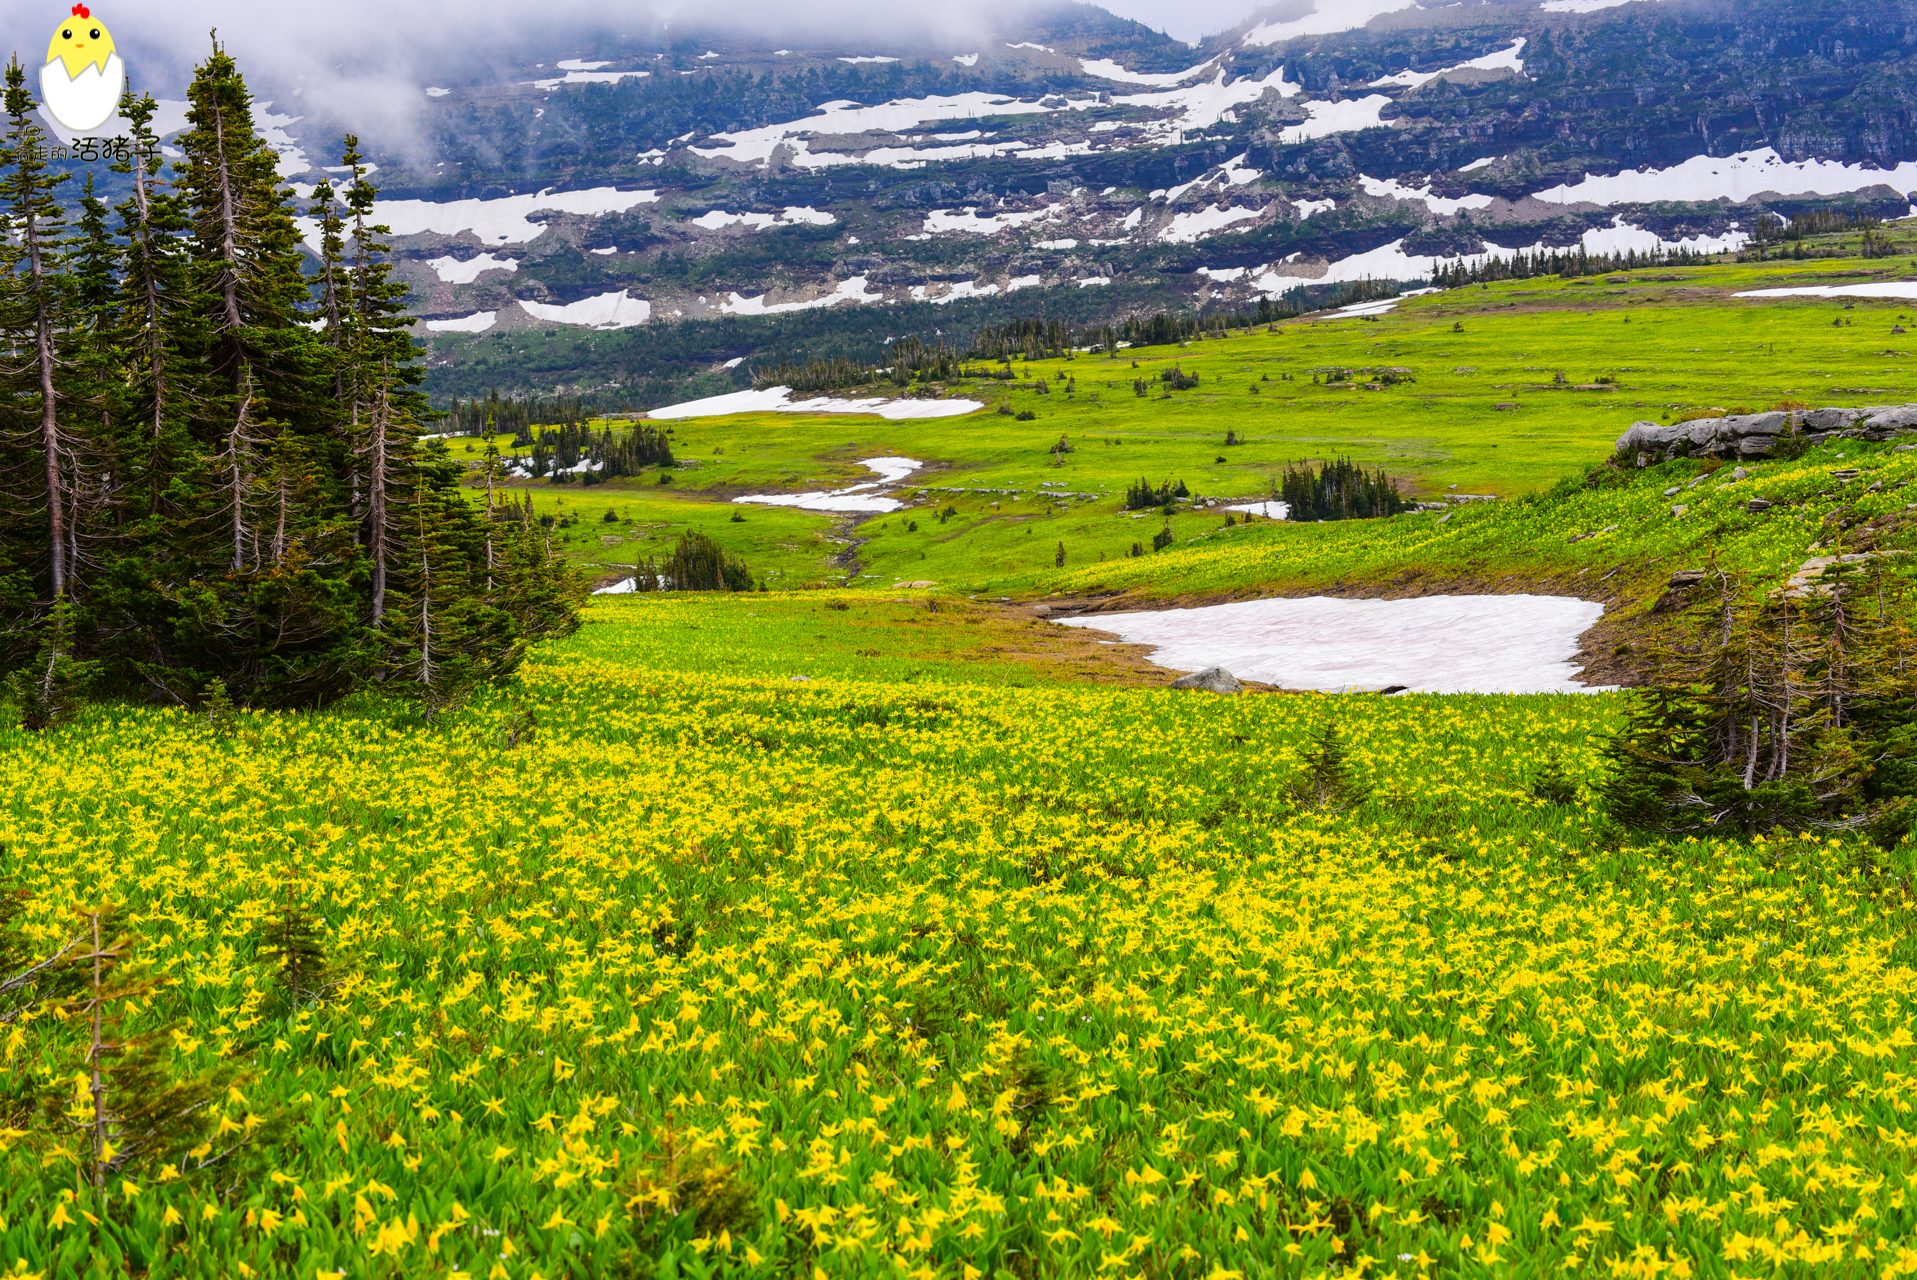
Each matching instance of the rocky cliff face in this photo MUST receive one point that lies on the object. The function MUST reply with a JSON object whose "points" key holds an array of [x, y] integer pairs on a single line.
{"points": [[1759, 435]]}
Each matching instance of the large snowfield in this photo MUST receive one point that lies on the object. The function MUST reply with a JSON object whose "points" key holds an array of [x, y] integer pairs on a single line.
{"points": [[779, 400], [1432, 644]]}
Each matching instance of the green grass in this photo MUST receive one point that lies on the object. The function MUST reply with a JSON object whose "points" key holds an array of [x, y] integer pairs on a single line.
{"points": [[1673, 339]]}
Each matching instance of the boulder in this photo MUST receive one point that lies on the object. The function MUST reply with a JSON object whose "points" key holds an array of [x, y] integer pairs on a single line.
{"points": [[1755, 435], [1211, 680]]}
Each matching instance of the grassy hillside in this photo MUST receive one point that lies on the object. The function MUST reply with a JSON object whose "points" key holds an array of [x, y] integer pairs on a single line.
{"points": [[1451, 392]]}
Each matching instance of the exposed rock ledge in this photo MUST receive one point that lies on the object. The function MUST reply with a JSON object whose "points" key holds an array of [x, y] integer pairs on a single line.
{"points": [[1756, 435]]}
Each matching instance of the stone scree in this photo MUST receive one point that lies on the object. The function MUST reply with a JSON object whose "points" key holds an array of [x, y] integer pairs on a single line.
{"points": [[1755, 435]]}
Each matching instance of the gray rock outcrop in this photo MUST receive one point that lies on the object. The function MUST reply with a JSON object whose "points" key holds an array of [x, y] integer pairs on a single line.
{"points": [[1756, 435], [1211, 680]]}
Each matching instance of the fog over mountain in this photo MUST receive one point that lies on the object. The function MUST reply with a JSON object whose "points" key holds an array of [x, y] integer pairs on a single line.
{"points": [[655, 206]]}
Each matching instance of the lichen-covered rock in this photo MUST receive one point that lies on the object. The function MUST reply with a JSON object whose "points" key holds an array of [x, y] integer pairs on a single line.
{"points": [[1211, 680], [1755, 435]]}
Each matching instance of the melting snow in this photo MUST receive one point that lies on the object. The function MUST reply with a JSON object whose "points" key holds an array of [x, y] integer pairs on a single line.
{"points": [[613, 310], [1330, 17], [1503, 60], [844, 117], [1879, 289], [941, 221], [779, 400], [1270, 509], [452, 271], [578, 72], [1736, 178], [719, 219], [1188, 228], [1306, 208], [506, 220], [965, 59], [1437, 204], [478, 322], [858, 498], [1023, 282], [1106, 69], [1580, 6], [1434, 644], [1480, 163], [852, 290], [1328, 118], [953, 292]]}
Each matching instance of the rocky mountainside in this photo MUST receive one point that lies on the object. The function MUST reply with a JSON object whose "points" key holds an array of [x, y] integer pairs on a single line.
{"points": [[648, 214]]}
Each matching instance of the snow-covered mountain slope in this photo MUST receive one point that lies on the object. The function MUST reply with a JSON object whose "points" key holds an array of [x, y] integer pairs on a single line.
{"points": [[1081, 161]]}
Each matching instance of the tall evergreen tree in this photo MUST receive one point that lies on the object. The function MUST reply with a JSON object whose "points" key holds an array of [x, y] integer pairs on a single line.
{"points": [[231, 450], [33, 311]]}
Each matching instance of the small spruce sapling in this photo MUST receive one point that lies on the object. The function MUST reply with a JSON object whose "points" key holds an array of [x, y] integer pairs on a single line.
{"points": [[1328, 783], [294, 943]]}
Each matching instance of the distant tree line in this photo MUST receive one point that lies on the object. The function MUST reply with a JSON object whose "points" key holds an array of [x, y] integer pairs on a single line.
{"points": [[697, 563], [214, 476], [1339, 490], [1568, 264], [608, 453], [512, 415], [1142, 497]]}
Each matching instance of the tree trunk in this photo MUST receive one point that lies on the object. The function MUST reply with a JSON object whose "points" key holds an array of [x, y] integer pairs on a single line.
{"points": [[376, 501], [49, 411]]}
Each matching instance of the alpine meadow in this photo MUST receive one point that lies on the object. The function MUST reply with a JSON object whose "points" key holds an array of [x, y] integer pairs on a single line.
{"points": [[1028, 648]]}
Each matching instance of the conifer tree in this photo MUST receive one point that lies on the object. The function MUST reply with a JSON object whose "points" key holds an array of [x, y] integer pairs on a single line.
{"points": [[383, 374], [33, 318], [201, 491], [157, 303]]}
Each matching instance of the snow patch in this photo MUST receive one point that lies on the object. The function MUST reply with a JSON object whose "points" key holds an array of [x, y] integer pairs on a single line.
{"points": [[874, 58], [478, 322], [452, 271], [858, 498], [1580, 6], [1432, 644], [1023, 282], [968, 222], [1503, 60], [1879, 289], [1328, 118], [852, 290], [1736, 178], [1483, 162], [965, 59], [805, 215], [1270, 509], [434, 92], [1329, 18], [1437, 204], [779, 400], [1306, 208], [1106, 69], [954, 292], [578, 72], [613, 310], [506, 220], [1188, 228]]}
